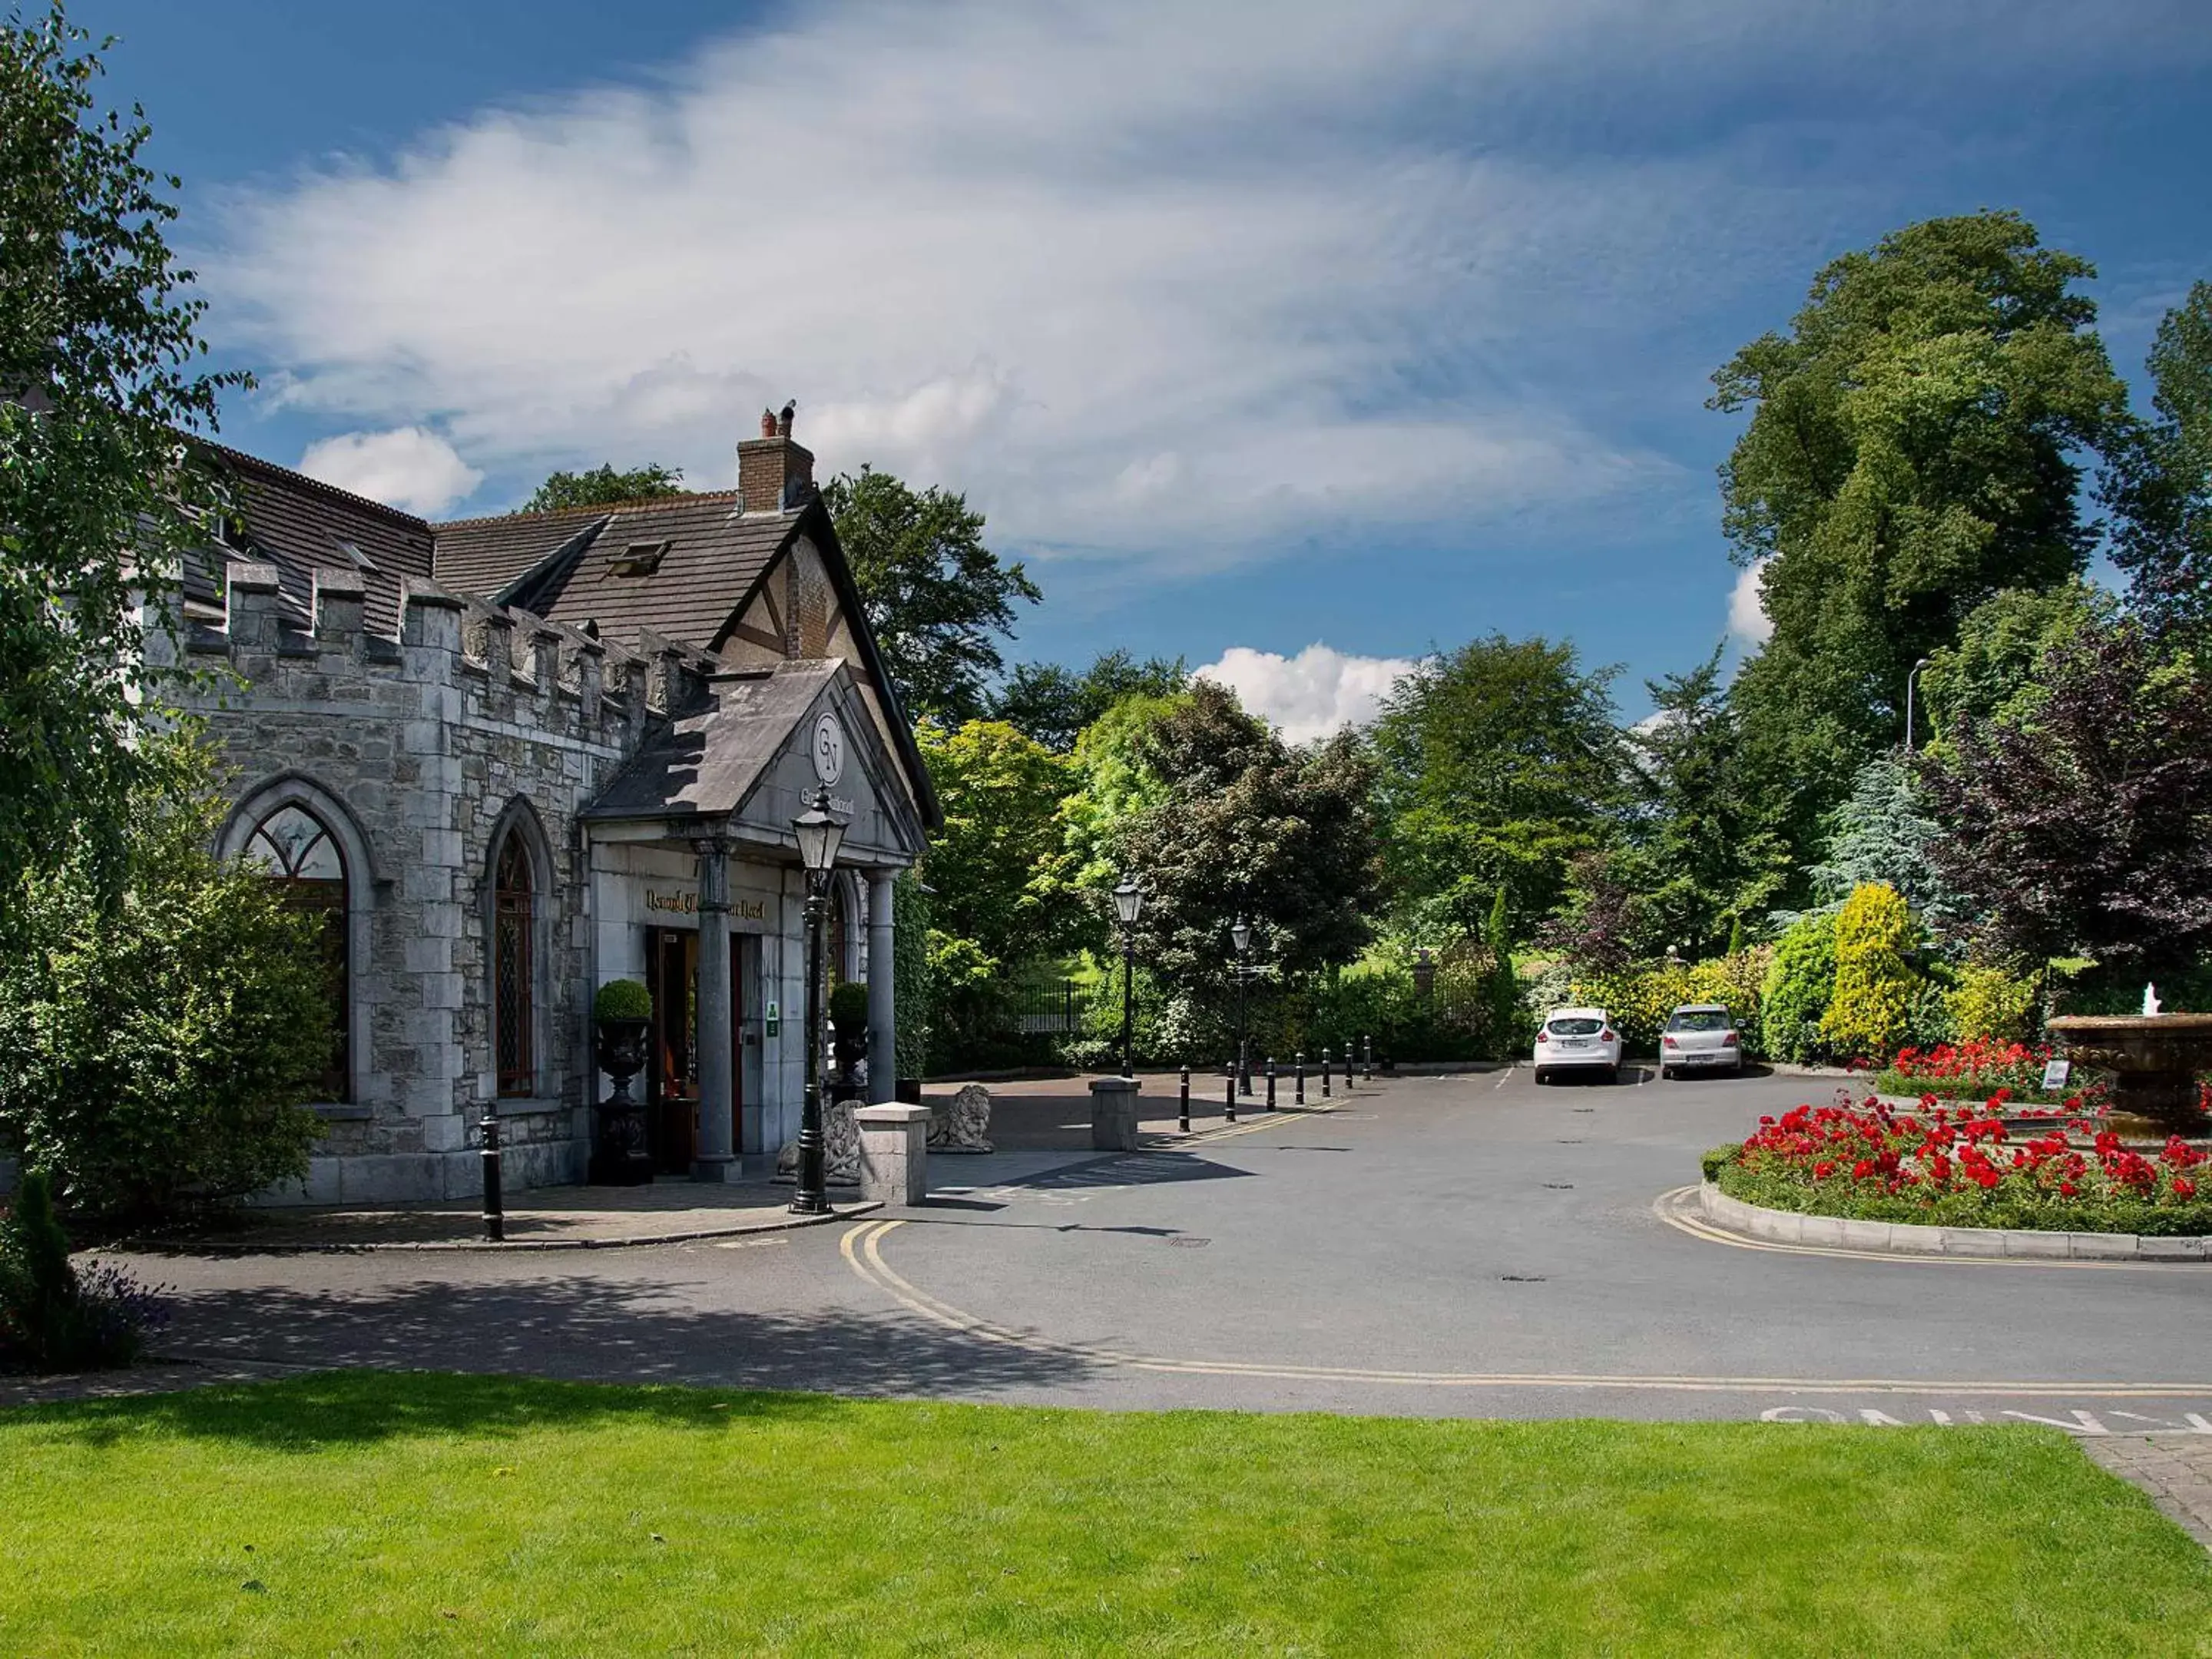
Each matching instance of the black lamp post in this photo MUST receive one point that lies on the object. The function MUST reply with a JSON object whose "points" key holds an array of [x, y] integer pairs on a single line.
{"points": [[1240, 935], [1129, 905], [819, 835]]}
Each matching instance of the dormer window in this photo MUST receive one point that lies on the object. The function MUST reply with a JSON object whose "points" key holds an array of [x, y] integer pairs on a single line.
{"points": [[638, 559]]}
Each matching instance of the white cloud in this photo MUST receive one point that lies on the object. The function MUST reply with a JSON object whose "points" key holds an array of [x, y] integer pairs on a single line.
{"points": [[1310, 696], [1163, 286], [1747, 617], [414, 471]]}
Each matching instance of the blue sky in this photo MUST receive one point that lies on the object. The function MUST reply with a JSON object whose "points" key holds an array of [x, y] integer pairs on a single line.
{"points": [[1254, 326]]}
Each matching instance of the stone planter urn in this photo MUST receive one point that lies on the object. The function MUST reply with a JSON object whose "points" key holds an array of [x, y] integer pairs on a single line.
{"points": [[620, 1159]]}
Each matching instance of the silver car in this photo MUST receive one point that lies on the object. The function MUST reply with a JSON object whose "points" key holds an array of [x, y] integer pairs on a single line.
{"points": [[1699, 1037]]}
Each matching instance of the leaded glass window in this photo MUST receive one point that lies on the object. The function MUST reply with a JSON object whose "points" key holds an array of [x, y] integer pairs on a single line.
{"points": [[297, 850], [513, 910]]}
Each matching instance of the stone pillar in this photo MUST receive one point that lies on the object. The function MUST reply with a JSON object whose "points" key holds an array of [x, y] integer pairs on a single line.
{"points": [[1113, 1114], [883, 1018], [715, 1154], [894, 1152]]}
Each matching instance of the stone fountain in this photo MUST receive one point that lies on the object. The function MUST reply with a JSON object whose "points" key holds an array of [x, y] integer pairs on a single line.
{"points": [[2154, 1058]]}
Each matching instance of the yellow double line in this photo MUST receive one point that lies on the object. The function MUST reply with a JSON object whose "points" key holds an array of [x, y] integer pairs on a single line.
{"points": [[862, 1247]]}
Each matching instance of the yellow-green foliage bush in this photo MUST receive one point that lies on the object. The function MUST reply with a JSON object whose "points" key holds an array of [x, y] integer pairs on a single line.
{"points": [[1994, 1002], [1874, 981], [1639, 1001]]}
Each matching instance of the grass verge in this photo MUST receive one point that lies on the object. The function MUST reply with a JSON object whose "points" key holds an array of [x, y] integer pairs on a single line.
{"points": [[420, 1513]]}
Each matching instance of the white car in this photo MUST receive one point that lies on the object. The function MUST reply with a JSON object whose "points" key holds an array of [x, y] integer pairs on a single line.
{"points": [[1699, 1037], [1577, 1039]]}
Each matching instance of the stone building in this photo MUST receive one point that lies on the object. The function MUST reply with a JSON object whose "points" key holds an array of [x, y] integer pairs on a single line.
{"points": [[510, 759]]}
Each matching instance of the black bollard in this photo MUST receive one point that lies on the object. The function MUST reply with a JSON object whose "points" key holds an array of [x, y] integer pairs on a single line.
{"points": [[1186, 1100], [1298, 1060], [1271, 1083], [1229, 1097], [494, 1202], [1324, 1074], [1367, 1072]]}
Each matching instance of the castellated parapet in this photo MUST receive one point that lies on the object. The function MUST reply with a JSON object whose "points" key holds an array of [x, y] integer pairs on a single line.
{"points": [[422, 754]]}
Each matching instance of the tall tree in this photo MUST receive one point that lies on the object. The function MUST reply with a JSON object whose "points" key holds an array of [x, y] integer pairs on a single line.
{"points": [[1997, 660], [603, 486], [1703, 830], [997, 871], [2083, 822], [937, 597], [1233, 823], [99, 381], [1496, 764], [1053, 703], [2159, 485], [1910, 450]]}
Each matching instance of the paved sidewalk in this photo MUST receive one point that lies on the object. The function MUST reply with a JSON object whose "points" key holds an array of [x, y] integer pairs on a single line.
{"points": [[547, 1218], [2176, 1470]]}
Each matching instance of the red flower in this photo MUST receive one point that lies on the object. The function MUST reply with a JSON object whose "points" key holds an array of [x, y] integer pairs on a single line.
{"points": [[2184, 1186]]}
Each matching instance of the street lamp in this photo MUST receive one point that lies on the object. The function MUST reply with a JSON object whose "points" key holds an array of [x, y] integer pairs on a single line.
{"points": [[819, 835], [1240, 935], [1911, 674], [1128, 904]]}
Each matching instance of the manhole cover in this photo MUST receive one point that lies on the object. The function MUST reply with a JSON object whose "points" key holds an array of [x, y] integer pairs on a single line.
{"points": [[1585, 1110], [1185, 1241], [1559, 1186], [1520, 1279], [1571, 1143]]}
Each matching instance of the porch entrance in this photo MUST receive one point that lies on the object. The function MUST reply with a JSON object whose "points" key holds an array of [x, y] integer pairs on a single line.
{"points": [[672, 1118]]}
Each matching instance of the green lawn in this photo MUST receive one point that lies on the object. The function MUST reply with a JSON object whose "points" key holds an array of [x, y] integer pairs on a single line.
{"points": [[367, 1512]]}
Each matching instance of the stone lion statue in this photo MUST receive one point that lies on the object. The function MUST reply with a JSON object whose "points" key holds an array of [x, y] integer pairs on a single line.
{"points": [[841, 1152], [961, 1124]]}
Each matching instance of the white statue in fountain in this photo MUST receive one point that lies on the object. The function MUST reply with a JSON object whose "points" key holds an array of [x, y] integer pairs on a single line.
{"points": [[2150, 1001]]}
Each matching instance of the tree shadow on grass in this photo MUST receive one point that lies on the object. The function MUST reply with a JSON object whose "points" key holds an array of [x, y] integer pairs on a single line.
{"points": [[583, 1330]]}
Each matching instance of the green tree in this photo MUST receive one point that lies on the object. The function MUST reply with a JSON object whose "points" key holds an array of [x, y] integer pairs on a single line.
{"points": [[1495, 764], [1703, 830], [1232, 822], [1910, 451], [158, 1060], [1881, 834], [1994, 668], [935, 595], [2159, 484], [603, 486], [99, 348], [999, 871], [1054, 704]]}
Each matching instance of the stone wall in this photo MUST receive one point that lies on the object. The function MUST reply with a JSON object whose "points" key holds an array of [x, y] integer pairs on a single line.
{"points": [[474, 724]]}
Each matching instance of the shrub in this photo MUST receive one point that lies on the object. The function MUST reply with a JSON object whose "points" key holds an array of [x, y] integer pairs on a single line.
{"points": [[158, 1052], [1719, 1158], [1639, 1001], [1874, 982], [848, 1007], [622, 998], [1959, 1169], [1995, 1003], [51, 1317], [1801, 982]]}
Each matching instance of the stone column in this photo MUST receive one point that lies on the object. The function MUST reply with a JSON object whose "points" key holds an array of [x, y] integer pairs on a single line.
{"points": [[1113, 1114], [883, 1018], [715, 1154]]}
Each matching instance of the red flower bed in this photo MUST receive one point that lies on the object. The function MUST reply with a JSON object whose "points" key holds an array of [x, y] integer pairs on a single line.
{"points": [[1981, 1068], [1960, 1167]]}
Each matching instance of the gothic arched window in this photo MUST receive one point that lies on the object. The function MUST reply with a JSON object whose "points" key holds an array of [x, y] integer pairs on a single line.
{"points": [[300, 856], [513, 1010]]}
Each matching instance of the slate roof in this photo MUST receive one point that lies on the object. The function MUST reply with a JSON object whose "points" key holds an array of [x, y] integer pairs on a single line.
{"points": [[705, 551], [710, 756], [301, 524]]}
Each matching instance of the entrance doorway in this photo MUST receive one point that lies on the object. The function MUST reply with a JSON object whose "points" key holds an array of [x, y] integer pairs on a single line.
{"points": [[672, 1103]]}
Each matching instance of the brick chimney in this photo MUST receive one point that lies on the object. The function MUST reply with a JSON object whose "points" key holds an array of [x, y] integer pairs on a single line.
{"points": [[774, 474]]}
